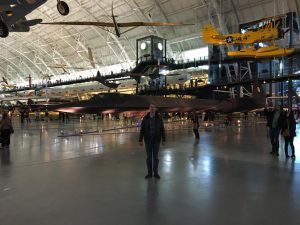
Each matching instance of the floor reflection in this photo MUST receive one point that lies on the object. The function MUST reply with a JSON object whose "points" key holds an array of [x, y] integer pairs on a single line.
{"points": [[152, 197], [5, 156]]}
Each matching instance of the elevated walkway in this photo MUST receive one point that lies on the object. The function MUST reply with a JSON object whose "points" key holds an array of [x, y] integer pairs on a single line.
{"points": [[149, 67]]}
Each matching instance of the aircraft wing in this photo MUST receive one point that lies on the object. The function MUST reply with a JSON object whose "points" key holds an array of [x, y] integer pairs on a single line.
{"points": [[65, 67], [85, 23], [153, 24], [103, 24]]}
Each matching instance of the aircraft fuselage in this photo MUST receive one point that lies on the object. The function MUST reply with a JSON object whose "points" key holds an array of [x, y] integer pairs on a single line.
{"points": [[22, 8], [13, 12]]}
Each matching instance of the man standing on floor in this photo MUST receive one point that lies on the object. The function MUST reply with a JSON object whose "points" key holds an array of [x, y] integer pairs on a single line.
{"points": [[274, 122], [196, 124], [153, 132]]}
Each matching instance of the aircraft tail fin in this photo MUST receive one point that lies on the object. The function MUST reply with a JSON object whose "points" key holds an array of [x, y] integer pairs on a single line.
{"points": [[211, 35], [19, 103], [91, 58], [98, 75], [30, 102], [4, 80]]}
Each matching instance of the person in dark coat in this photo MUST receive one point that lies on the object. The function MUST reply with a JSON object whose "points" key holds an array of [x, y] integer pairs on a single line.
{"points": [[152, 132], [6, 129], [289, 132], [195, 124], [274, 122]]}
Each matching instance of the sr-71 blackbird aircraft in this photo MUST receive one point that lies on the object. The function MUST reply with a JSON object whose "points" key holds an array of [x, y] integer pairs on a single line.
{"points": [[115, 102], [117, 25], [13, 12]]}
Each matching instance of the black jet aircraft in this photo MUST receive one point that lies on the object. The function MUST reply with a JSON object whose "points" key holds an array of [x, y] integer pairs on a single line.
{"points": [[13, 12], [116, 25], [115, 102]]}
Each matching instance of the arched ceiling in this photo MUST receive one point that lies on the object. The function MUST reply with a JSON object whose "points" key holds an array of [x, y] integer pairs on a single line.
{"points": [[31, 53]]}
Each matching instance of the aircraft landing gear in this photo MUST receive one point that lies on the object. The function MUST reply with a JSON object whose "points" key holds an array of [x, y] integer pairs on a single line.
{"points": [[3, 29], [63, 8]]}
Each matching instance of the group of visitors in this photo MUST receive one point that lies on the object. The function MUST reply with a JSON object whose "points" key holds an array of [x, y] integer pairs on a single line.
{"points": [[281, 122], [152, 133]]}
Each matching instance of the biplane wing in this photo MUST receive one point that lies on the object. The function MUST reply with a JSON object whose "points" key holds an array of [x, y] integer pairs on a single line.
{"points": [[264, 52]]}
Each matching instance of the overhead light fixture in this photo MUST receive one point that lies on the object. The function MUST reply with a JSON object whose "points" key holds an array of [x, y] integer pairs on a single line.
{"points": [[9, 13], [160, 46], [164, 72], [143, 46]]}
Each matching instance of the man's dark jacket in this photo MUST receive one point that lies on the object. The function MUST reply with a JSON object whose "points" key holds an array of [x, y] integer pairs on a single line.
{"points": [[159, 132], [270, 116]]}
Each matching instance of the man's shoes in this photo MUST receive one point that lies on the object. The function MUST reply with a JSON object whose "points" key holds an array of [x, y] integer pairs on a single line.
{"points": [[156, 176], [148, 176], [271, 152], [293, 156], [287, 156]]}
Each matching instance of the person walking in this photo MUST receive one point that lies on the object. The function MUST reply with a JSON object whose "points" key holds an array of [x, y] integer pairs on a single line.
{"points": [[289, 132], [195, 124], [152, 132]]}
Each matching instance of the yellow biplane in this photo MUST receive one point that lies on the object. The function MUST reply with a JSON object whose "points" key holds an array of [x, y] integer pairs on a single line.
{"points": [[268, 32], [265, 33]]}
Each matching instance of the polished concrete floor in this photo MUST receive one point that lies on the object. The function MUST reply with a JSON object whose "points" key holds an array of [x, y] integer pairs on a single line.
{"points": [[227, 177]]}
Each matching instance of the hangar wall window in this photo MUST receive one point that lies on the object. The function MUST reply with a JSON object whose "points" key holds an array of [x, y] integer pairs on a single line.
{"points": [[190, 55]]}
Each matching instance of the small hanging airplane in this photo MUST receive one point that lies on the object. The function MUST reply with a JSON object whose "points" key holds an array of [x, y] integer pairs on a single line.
{"points": [[265, 33], [117, 25], [269, 31], [13, 12], [5, 84], [105, 82], [65, 67]]}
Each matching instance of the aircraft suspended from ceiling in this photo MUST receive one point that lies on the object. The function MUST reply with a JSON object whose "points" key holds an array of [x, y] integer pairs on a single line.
{"points": [[117, 25], [269, 32], [5, 84], [13, 12]]}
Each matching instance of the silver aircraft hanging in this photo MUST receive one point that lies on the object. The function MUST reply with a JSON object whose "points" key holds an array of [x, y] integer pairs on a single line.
{"points": [[13, 12]]}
